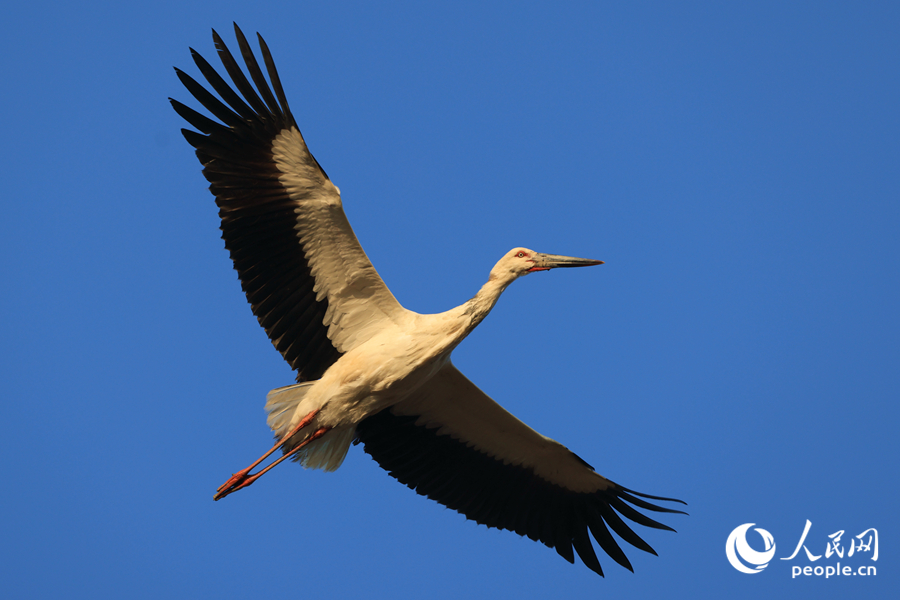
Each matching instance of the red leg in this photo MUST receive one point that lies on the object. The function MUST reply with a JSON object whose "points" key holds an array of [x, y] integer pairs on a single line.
{"points": [[243, 478]]}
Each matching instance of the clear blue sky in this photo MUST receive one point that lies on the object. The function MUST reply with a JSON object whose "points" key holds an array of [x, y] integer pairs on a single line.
{"points": [[737, 168]]}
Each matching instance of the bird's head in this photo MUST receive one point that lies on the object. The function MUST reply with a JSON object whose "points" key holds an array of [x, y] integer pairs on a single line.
{"points": [[522, 261]]}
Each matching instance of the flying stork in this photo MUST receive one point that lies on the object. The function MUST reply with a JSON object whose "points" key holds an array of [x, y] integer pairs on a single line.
{"points": [[368, 370]]}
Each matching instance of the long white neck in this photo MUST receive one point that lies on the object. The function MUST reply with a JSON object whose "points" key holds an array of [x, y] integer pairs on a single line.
{"points": [[455, 324], [476, 309]]}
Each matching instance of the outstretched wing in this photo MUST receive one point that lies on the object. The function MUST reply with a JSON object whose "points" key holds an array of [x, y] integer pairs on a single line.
{"points": [[452, 443], [308, 280]]}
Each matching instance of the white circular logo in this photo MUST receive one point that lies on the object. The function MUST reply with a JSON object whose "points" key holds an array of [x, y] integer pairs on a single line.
{"points": [[737, 546]]}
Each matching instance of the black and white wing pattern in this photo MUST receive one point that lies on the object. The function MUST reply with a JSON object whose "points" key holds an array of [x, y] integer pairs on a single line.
{"points": [[308, 280], [454, 444]]}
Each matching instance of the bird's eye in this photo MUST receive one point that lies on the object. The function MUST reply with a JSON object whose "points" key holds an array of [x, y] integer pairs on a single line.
{"points": [[520, 254]]}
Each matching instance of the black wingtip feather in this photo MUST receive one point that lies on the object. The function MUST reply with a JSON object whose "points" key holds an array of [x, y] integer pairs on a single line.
{"points": [[273, 77], [582, 544], [222, 88], [256, 73], [615, 522], [201, 122], [663, 498], [237, 76], [604, 538], [633, 515], [210, 102], [647, 505]]}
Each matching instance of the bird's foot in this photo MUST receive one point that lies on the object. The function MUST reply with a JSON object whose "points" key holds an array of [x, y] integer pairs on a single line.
{"points": [[243, 478], [238, 480]]}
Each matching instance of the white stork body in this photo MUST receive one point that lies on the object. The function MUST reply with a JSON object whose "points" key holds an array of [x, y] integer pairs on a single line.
{"points": [[368, 369], [381, 372]]}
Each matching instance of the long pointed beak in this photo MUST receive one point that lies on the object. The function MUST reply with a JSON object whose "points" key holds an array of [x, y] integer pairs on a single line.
{"points": [[545, 262]]}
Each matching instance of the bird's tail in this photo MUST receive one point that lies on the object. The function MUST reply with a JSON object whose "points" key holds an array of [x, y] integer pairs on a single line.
{"points": [[327, 452], [282, 403]]}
